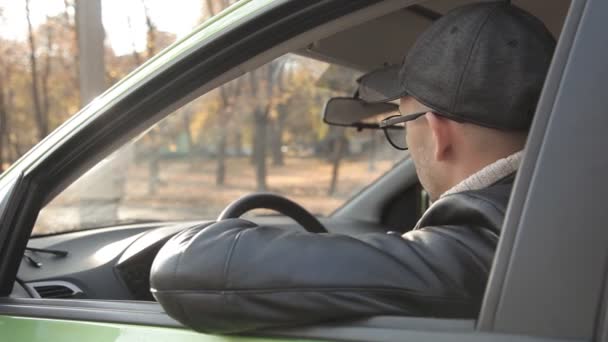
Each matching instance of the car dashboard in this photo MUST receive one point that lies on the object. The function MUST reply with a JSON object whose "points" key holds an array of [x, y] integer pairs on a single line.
{"points": [[113, 263]]}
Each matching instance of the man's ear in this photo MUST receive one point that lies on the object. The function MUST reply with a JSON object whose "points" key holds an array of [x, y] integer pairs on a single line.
{"points": [[441, 135]]}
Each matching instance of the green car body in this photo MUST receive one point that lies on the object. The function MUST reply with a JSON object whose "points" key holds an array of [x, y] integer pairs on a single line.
{"points": [[36, 329]]}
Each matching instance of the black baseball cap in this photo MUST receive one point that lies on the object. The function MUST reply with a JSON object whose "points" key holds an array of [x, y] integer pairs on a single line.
{"points": [[483, 63]]}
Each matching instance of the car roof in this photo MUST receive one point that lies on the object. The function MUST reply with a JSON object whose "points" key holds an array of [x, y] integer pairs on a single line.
{"points": [[359, 47]]}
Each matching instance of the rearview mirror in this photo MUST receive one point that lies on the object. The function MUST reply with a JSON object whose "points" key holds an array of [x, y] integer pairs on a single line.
{"points": [[351, 112]]}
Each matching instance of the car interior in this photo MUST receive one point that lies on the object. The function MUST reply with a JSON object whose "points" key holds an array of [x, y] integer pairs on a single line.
{"points": [[113, 262]]}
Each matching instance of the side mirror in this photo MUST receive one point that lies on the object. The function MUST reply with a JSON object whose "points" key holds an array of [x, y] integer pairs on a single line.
{"points": [[352, 112]]}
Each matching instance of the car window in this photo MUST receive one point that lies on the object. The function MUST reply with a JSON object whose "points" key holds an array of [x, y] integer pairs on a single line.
{"points": [[260, 132]]}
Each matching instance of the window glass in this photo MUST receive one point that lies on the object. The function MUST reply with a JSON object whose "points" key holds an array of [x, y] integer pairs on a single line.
{"points": [[260, 132]]}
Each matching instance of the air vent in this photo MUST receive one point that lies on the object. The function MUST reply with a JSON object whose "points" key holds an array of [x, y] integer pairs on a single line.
{"points": [[55, 289]]}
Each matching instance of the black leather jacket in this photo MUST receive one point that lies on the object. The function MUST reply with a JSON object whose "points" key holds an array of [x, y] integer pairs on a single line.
{"points": [[235, 276]]}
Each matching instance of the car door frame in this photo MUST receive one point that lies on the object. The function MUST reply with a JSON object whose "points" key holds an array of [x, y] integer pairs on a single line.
{"points": [[556, 205]]}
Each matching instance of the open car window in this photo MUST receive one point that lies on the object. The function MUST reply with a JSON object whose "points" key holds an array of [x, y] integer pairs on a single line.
{"points": [[260, 132]]}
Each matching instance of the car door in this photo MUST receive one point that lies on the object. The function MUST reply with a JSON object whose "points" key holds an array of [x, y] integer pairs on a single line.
{"points": [[548, 280], [551, 262]]}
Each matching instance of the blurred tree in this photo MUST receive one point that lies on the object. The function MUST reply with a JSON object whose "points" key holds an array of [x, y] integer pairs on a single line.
{"points": [[278, 128], [44, 78], [281, 111], [338, 81], [39, 111], [40, 75], [338, 143], [60, 77], [100, 197], [150, 31], [263, 83], [17, 102], [229, 94], [71, 43], [153, 166], [91, 49], [303, 100], [3, 109], [3, 120]]}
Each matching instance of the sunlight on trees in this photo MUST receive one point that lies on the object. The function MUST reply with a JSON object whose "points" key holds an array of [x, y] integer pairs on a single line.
{"points": [[242, 134]]}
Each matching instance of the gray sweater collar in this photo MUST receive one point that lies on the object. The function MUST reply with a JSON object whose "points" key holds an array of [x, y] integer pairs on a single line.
{"points": [[489, 175]]}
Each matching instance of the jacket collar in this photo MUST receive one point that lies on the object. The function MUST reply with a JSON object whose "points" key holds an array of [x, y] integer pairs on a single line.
{"points": [[489, 175]]}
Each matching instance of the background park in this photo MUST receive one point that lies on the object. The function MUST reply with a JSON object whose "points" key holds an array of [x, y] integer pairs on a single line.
{"points": [[260, 132]]}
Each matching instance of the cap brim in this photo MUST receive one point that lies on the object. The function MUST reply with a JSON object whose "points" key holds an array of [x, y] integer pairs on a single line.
{"points": [[381, 85]]}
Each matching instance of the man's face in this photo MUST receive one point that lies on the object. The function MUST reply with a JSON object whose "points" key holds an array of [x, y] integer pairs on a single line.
{"points": [[420, 144]]}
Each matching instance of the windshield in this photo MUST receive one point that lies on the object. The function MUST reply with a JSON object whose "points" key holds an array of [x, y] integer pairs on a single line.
{"points": [[260, 132]]}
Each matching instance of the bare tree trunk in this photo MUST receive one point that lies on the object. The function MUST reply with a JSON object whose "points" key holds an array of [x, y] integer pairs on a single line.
{"points": [[277, 137], [210, 8], [214, 7], [274, 142], [100, 203], [153, 165], [46, 72], [261, 115], [71, 23], [90, 49], [220, 176], [3, 123], [150, 33], [261, 123], [229, 94], [11, 142], [40, 119], [339, 145], [220, 173], [5, 72], [279, 122], [254, 142], [16, 150], [238, 143]]}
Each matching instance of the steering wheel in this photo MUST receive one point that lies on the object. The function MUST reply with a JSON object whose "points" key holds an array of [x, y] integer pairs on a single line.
{"points": [[274, 202]]}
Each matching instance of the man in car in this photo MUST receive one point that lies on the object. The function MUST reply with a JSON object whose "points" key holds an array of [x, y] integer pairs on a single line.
{"points": [[467, 89]]}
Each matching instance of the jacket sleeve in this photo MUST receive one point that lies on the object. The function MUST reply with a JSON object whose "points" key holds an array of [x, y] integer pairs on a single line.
{"points": [[235, 276]]}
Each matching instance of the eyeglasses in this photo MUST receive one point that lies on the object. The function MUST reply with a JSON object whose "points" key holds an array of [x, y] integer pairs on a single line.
{"points": [[394, 128]]}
